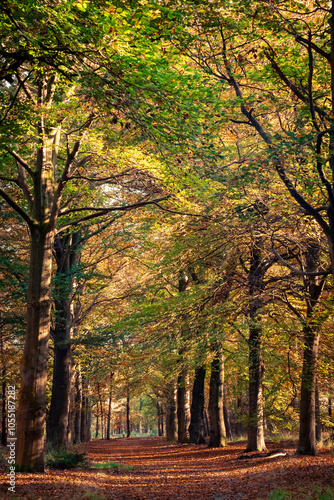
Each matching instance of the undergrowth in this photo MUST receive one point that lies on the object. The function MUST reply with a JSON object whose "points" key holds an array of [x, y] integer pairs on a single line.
{"points": [[66, 459]]}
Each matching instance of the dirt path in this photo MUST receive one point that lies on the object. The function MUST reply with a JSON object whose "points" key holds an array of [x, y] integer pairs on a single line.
{"points": [[163, 471]]}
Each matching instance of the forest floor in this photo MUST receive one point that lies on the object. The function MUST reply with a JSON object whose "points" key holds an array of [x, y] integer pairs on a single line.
{"points": [[153, 469]]}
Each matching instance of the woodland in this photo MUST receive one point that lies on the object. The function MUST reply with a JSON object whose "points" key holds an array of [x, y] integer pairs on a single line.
{"points": [[167, 225]]}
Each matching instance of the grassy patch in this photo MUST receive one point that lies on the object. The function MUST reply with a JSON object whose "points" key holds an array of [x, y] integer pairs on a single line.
{"points": [[279, 495], [111, 466], [317, 494]]}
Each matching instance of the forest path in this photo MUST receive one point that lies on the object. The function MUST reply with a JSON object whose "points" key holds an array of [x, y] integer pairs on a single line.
{"points": [[164, 471]]}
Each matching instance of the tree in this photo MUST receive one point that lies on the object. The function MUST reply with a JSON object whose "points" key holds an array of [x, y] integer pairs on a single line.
{"points": [[48, 67]]}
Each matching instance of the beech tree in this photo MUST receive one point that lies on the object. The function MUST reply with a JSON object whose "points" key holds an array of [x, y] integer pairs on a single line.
{"points": [[44, 80]]}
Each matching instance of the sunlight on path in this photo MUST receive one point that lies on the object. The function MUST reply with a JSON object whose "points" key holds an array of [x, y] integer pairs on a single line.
{"points": [[163, 471]]}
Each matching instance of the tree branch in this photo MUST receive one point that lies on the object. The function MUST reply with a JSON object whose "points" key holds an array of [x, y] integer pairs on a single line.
{"points": [[291, 86], [17, 208], [98, 212], [22, 162], [294, 269]]}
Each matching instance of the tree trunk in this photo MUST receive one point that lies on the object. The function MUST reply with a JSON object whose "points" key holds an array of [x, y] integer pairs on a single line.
{"points": [[307, 438], [128, 428], [330, 407], [160, 419], [182, 408], [71, 411], [317, 416], [32, 396], [226, 416], [86, 412], [256, 368], [171, 416], [43, 209], [97, 426], [216, 413], [196, 427], [77, 406], [239, 426], [313, 289], [67, 256], [109, 407], [60, 400]]}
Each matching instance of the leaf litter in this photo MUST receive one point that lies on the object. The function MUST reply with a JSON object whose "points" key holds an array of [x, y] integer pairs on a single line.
{"points": [[153, 469]]}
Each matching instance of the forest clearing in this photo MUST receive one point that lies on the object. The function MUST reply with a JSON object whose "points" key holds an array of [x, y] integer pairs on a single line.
{"points": [[153, 469], [166, 248]]}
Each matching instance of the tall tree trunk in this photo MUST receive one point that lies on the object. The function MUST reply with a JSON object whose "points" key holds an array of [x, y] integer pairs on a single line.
{"points": [[86, 412], [71, 412], [44, 206], [307, 438], [317, 416], [109, 407], [196, 427], [97, 426], [128, 427], [330, 407], [216, 401], [256, 367], [67, 256], [226, 415], [160, 421], [239, 426], [183, 416], [77, 405], [256, 370], [32, 396], [307, 420], [171, 422], [60, 399]]}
